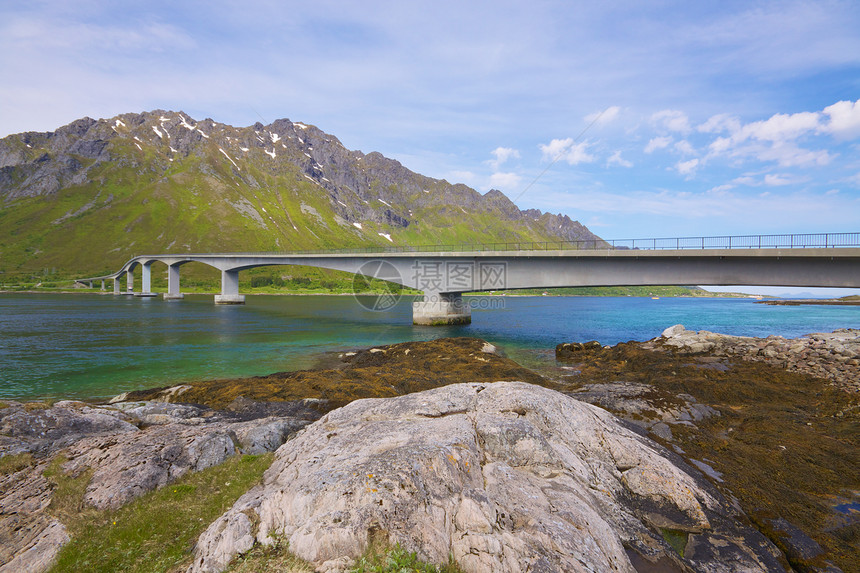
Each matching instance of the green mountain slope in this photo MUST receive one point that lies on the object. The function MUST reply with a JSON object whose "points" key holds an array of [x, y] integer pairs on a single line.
{"points": [[85, 198]]}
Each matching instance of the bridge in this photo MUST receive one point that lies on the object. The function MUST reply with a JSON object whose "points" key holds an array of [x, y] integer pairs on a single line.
{"points": [[445, 272]]}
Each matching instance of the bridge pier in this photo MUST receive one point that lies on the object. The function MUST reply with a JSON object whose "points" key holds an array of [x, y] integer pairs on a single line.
{"points": [[103, 284], [116, 283], [129, 282], [440, 309], [146, 281], [229, 289], [173, 292]]}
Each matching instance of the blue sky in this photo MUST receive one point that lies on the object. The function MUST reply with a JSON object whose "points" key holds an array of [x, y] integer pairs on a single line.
{"points": [[640, 119]]}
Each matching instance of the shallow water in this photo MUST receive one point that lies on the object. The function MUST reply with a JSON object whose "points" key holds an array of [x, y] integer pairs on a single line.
{"points": [[90, 346]]}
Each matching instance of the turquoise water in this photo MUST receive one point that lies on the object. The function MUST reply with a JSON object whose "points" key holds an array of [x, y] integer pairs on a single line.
{"points": [[90, 346]]}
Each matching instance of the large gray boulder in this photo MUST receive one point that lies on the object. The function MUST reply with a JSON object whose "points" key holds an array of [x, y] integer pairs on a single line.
{"points": [[129, 465], [503, 477], [43, 430]]}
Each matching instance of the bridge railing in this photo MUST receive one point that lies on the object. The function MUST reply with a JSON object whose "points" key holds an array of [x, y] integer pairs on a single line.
{"points": [[788, 241]]}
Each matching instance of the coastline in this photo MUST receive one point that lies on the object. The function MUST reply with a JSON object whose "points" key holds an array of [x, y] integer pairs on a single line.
{"points": [[801, 302]]}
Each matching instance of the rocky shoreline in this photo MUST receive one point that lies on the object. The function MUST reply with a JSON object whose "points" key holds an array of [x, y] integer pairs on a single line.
{"points": [[448, 448], [834, 356], [759, 423], [847, 301]]}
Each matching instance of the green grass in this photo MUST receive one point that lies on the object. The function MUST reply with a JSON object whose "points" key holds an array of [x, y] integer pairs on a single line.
{"points": [[274, 558], [380, 558], [677, 539], [155, 532], [67, 500], [15, 463]]}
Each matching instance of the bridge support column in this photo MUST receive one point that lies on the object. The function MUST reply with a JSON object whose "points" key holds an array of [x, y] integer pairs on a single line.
{"points": [[103, 284], [173, 292], [440, 309], [129, 282], [116, 283], [229, 289], [145, 281]]}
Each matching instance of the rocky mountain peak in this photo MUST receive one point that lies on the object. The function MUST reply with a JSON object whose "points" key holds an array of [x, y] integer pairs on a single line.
{"points": [[288, 183]]}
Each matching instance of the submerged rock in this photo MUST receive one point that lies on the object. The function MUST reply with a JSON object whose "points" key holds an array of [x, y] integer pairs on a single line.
{"points": [[391, 370], [504, 477], [645, 406], [570, 350]]}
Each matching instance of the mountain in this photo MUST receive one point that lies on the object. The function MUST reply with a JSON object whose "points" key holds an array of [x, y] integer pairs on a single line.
{"points": [[88, 196]]}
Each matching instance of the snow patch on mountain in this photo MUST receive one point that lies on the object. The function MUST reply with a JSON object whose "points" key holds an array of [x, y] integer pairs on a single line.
{"points": [[228, 157]]}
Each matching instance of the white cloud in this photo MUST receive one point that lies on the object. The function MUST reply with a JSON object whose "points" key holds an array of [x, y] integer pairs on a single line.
{"points": [[769, 180], [603, 117], [780, 127], [720, 123], [770, 140], [790, 155], [54, 32], [720, 145], [658, 143], [672, 120], [774, 180], [745, 180], [505, 181], [616, 159], [566, 149], [844, 119], [502, 154], [721, 188], [684, 148], [687, 168]]}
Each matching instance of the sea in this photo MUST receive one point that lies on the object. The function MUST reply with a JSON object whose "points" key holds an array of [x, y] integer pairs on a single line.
{"points": [[93, 346]]}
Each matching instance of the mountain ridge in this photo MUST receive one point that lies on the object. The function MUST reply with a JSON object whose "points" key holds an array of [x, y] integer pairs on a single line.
{"points": [[89, 194]]}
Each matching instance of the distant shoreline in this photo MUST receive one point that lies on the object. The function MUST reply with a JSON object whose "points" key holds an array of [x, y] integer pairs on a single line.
{"points": [[806, 301]]}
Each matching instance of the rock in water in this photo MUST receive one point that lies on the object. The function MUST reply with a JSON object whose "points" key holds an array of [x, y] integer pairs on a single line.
{"points": [[503, 477]]}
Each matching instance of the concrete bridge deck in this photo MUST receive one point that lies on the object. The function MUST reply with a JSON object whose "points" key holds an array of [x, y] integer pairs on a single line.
{"points": [[444, 274]]}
